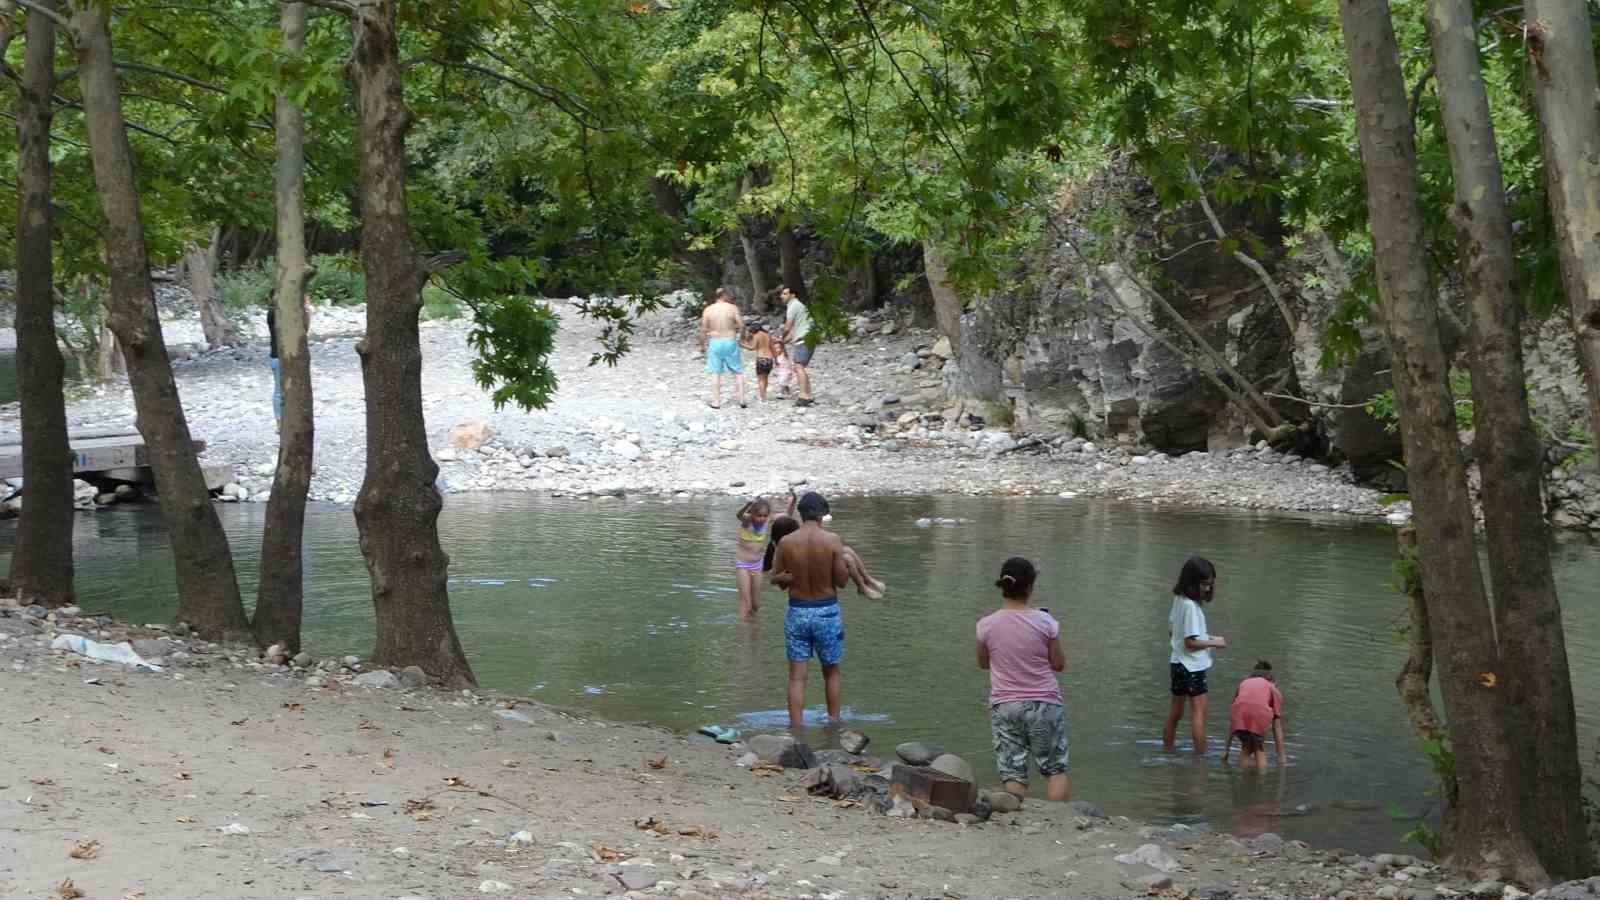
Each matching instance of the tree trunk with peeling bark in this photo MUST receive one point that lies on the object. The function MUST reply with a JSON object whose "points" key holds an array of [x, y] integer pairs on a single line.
{"points": [[281, 595], [1415, 673], [208, 593], [41, 565], [1561, 68], [1485, 827], [201, 265], [397, 510], [752, 253], [789, 257], [947, 305], [1533, 646]]}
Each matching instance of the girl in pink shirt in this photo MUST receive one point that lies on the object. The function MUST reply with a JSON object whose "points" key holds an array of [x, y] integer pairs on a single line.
{"points": [[1257, 706], [1021, 649]]}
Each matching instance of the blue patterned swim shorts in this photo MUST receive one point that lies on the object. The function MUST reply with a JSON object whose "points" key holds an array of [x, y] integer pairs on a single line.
{"points": [[814, 627], [723, 357]]}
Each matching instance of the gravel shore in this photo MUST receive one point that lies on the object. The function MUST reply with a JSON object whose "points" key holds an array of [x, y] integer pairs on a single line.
{"points": [[225, 775], [880, 425]]}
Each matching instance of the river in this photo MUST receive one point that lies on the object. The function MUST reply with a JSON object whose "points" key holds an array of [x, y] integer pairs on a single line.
{"points": [[626, 609]]}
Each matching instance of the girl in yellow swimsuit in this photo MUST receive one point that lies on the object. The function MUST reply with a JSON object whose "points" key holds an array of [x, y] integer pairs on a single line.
{"points": [[748, 553]]}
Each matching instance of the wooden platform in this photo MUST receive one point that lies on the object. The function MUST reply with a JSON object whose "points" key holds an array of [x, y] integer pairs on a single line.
{"points": [[119, 455]]}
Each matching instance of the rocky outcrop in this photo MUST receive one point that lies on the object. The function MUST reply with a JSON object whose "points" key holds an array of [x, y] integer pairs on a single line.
{"points": [[1087, 354]]}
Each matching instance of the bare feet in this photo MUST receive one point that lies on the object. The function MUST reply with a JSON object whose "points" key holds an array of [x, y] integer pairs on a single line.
{"points": [[873, 589]]}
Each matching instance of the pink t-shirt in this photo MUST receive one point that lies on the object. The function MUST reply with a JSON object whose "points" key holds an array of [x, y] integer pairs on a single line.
{"points": [[1255, 705], [1018, 641]]}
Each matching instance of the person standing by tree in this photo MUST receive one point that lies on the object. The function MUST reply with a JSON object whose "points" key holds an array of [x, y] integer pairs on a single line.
{"points": [[721, 326], [272, 354], [796, 334]]}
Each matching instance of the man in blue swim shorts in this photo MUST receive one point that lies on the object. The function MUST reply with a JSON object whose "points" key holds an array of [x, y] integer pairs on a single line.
{"points": [[721, 326], [810, 563]]}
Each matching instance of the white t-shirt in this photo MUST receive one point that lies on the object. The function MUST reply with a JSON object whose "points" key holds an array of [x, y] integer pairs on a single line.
{"points": [[1188, 620], [799, 318]]}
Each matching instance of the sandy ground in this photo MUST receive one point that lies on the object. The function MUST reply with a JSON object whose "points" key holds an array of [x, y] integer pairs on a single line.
{"points": [[223, 776]]}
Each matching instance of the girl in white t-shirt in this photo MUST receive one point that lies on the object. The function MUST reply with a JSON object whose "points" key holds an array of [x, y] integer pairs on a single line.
{"points": [[1191, 646]]}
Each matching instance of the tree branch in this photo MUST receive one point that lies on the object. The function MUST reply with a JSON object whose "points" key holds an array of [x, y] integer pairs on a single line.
{"points": [[1244, 258], [47, 12]]}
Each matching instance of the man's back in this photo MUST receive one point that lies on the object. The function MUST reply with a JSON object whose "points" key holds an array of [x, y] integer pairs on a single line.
{"points": [[721, 320], [812, 556]]}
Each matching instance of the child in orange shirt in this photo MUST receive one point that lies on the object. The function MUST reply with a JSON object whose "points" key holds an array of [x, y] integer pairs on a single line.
{"points": [[1257, 706]]}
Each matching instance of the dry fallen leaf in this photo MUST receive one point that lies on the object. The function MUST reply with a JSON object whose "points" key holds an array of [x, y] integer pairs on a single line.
{"points": [[698, 831], [606, 854], [293, 707], [187, 820], [789, 798], [652, 824], [766, 770], [182, 776], [240, 721], [421, 810], [84, 850], [43, 782], [456, 781], [657, 763], [367, 725], [67, 890], [1488, 679]]}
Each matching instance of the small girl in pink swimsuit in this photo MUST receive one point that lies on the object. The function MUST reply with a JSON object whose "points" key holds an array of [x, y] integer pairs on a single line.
{"points": [[749, 552]]}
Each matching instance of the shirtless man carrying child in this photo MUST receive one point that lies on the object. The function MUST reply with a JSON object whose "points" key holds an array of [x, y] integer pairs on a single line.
{"points": [[812, 564], [721, 326]]}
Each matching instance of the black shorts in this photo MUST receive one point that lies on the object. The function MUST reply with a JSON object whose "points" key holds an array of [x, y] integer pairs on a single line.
{"points": [[1249, 741], [763, 365], [1186, 683]]}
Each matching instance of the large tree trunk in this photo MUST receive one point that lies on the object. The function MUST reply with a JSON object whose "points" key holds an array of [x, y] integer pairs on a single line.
{"points": [[1485, 828], [397, 510], [1533, 647], [201, 263], [41, 565], [702, 264], [1562, 70], [280, 597], [208, 593], [752, 254], [789, 257], [109, 364], [947, 305]]}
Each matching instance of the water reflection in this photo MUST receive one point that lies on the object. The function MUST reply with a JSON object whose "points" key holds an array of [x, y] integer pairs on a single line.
{"points": [[628, 609]]}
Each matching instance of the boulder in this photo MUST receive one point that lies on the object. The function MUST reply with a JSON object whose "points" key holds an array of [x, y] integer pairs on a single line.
{"points": [[956, 767], [470, 435], [413, 677], [942, 348], [1150, 855], [1004, 801], [853, 741], [917, 753], [382, 678]]}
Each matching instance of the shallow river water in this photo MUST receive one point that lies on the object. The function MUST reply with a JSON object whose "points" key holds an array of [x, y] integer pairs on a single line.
{"points": [[626, 609]]}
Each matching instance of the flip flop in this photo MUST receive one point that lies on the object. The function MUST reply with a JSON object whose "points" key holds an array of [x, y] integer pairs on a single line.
{"points": [[713, 405], [720, 733]]}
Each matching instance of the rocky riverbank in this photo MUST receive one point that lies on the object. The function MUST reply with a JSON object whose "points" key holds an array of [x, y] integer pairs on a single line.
{"points": [[880, 425], [229, 774]]}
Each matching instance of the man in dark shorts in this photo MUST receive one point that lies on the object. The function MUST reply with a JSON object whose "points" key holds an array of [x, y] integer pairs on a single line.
{"points": [[796, 336], [810, 564]]}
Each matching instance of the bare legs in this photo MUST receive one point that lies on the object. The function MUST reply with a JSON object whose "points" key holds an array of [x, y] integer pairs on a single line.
{"points": [[832, 686], [749, 581], [1197, 722], [865, 583], [761, 385], [802, 380], [716, 389], [1057, 788]]}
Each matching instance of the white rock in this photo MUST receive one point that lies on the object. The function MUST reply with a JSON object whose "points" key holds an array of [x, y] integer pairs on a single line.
{"points": [[1150, 855], [234, 828], [521, 837], [382, 678], [490, 886]]}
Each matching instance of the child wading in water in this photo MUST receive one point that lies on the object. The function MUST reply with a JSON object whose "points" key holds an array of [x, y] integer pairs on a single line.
{"points": [[1021, 648], [1257, 705], [787, 524], [1191, 650], [748, 554]]}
